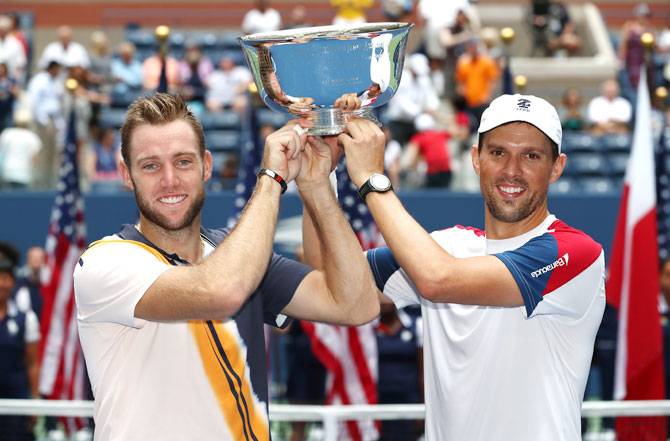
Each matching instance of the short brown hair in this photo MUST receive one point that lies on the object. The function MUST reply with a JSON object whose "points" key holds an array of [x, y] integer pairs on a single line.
{"points": [[158, 109]]}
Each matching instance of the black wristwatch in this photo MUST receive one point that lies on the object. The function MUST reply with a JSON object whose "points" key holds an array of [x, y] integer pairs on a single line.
{"points": [[377, 182]]}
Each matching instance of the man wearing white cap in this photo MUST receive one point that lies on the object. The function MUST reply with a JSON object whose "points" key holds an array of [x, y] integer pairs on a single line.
{"points": [[510, 313]]}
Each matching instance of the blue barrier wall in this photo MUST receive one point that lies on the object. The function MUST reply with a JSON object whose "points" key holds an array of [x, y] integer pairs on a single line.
{"points": [[25, 215]]}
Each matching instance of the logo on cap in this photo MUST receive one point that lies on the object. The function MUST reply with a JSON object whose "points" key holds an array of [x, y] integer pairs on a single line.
{"points": [[523, 104]]}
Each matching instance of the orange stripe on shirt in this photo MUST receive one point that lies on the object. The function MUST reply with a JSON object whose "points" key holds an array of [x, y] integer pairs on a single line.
{"points": [[146, 247], [237, 404]]}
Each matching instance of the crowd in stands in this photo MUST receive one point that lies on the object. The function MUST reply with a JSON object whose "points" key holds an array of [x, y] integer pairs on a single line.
{"points": [[448, 79]]}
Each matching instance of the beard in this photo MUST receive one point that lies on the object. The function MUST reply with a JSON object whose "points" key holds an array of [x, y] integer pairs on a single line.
{"points": [[511, 211], [163, 221]]}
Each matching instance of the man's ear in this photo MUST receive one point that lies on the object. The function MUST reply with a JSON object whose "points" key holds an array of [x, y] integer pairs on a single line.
{"points": [[474, 152], [558, 167], [207, 166], [125, 174]]}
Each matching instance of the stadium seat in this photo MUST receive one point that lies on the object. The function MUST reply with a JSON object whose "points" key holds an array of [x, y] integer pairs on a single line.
{"points": [[587, 164], [617, 163], [112, 117], [270, 117], [142, 38], [599, 185], [223, 140], [616, 143], [227, 119], [579, 142], [564, 185]]}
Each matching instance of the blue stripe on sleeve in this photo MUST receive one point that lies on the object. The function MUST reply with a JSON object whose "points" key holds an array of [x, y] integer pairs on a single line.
{"points": [[524, 261], [383, 265]]}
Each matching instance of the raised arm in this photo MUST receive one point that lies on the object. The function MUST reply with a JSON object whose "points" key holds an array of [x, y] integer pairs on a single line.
{"points": [[342, 289], [438, 276]]}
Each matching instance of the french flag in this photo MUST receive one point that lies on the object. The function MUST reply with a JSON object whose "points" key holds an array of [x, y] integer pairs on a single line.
{"points": [[633, 285]]}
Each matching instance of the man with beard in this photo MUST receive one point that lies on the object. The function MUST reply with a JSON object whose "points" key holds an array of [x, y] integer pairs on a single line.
{"points": [[171, 313], [510, 313]]}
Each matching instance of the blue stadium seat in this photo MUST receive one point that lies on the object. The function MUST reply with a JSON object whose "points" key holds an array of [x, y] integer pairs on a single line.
{"points": [[616, 143], [564, 185], [270, 117], [587, 164], [112, 117], [579, 142], [599, 185], [617, 163], [227, 119], [223, 140], [142, 38]]}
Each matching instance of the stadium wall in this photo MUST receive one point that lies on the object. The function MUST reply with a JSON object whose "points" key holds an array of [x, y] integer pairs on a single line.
{"points": [[25, 219]]}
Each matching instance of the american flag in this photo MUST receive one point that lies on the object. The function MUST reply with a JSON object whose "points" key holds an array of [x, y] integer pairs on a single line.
{"points": [[62, 368], [663, 193], [252, 153], [350, 353]]}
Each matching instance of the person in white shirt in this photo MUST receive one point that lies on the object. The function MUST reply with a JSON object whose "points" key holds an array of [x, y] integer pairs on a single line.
{"points": [[609, 113], [45, 95], [261, 19], [227, 86], [510, 314], [11, 51], [19, 149], [68, 53]]}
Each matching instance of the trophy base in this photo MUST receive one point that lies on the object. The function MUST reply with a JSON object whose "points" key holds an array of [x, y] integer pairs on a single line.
{"points": [[332, 121]]}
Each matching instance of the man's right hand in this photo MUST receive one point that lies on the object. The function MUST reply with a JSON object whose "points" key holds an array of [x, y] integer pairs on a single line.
{"points": [[364, 144], [283, 150]]}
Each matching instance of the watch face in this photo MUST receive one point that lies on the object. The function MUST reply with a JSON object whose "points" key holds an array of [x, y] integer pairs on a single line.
{"points": [[380, 182]]}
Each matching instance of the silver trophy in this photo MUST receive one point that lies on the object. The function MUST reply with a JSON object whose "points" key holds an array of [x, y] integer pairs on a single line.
{"points": [[305, 71]]}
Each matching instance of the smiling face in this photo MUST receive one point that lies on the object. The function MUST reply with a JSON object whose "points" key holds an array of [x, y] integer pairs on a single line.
{"points": [[167, 173], [515, 166]]}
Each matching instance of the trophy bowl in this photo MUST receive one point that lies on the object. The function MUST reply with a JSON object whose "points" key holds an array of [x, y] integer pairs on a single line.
{"points": [[310, 72]]}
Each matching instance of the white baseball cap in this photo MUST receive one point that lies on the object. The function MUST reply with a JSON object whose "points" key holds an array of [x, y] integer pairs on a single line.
{"points": [[527, 108]]}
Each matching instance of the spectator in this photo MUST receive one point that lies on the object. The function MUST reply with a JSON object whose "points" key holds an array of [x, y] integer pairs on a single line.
{"points": [[68, 53], [99, 75], [415, 95], [19, 148], [631, 51], [432, 147], [350, 12], [11, 51], [400, 349], [194, 70], [609, 113], [553, 31], [227, 87], [454, 38], [476, 76], [261, 19], [45, 95], [126, 71], [397, 10], [9, 93], [151, 72], [19, 350], [27, 294], [17, 33], [392, 155], [572, 112], [435, 16], [103, 162], [298, 18]]}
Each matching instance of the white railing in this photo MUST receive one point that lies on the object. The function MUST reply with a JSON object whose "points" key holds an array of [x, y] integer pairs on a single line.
{"points": [[332, 415]]}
